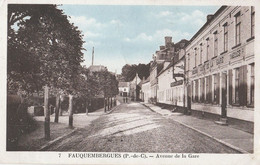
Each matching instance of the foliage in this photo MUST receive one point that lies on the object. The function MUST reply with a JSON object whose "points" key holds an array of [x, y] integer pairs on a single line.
{"points": [[43, 48], [129, 71], [18, 123]]}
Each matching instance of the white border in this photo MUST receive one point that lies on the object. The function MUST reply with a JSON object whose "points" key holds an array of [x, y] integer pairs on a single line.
{"points": [[52, 157]]}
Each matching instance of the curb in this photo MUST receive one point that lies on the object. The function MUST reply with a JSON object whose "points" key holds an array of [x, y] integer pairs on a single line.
{"points": [[44, 147], [208, 135]]}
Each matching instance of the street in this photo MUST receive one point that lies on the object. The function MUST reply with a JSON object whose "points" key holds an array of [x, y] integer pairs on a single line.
{"points": [[134, 128]]}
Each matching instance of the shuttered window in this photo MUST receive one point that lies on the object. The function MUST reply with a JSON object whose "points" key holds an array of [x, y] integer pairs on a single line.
{"points": [[216, 89], [202, 86], [241, 86], [196, 90], [230, 89], [252, 85], [209, 89]]}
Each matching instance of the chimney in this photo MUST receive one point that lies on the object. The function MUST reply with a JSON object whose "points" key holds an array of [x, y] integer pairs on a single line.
{"points": [[168, 40], [209, 17]]}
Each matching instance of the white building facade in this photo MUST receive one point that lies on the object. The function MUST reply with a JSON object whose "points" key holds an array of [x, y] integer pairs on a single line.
{"points": [[220, 65]]}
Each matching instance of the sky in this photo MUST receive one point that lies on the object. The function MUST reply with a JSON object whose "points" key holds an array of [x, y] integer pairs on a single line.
{"points": [[125, 34]]}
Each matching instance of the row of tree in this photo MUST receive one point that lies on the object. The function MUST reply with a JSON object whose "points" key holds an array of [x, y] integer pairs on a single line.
{"points": [[129, 71], [45, 52]]}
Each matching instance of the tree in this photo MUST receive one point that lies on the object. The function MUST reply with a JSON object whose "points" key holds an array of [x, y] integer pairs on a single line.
{"points": [[129, 71], [45, 49]]}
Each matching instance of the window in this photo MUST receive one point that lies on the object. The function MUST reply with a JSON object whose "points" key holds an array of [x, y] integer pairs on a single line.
{"points": [[195, 52], [252, 85], [207, 55], [238, 27], [216, 89], [201, 53], [216, 43], [225, 37], [240, 86], [208, 89], [196, 90], [188, 61], [237, 86], [252, 21], [202, 86]]}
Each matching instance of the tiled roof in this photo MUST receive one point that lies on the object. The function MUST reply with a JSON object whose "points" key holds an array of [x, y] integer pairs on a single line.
{"points": [[123, 84]]}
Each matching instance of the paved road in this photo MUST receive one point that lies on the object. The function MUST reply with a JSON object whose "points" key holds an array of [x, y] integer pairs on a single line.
{"points": [[134, 128]]}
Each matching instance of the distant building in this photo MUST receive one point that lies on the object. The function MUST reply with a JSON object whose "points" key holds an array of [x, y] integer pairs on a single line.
{"points": [[171, 78], [146, 90], [134, 88], [97, 68], [163, 57], [220, 67], [123, 88]]}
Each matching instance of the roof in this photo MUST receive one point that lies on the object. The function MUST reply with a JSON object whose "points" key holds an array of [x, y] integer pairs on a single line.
{"points": [[146, 80], [170, 65], [122, 84], [207, 23]]}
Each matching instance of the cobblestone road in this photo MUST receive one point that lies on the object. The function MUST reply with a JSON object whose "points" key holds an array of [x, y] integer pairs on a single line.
{"points": [[134, 128]]}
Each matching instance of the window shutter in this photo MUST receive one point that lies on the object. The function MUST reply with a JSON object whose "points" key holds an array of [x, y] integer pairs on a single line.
{"points": [[230, 76], [243, 85], [210, 89], [192, 92], [218, 79]]}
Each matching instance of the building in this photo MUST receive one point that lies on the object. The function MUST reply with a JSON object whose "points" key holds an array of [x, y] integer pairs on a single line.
{"points": [[164, 54], [134, 88], [171, 78], [123, 88], [220, 67], [146, 90], [97, 68]]}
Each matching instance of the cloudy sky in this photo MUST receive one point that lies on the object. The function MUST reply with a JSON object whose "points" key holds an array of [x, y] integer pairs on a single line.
{"points": [[131, 34]]}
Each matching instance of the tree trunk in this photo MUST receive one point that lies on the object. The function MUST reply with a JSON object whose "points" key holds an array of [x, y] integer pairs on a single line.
{"points": [[70, 111], [105, 105], [57, 108], [115, 101], [46, 113], [111, 103], [108, 105], [60, 109]]}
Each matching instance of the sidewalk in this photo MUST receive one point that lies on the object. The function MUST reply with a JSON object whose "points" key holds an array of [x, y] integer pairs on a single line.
{"points": [[35, 141], [234, 138]]}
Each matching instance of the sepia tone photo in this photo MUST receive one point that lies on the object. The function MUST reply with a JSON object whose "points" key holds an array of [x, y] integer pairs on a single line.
{"points": [[100, 80]]}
